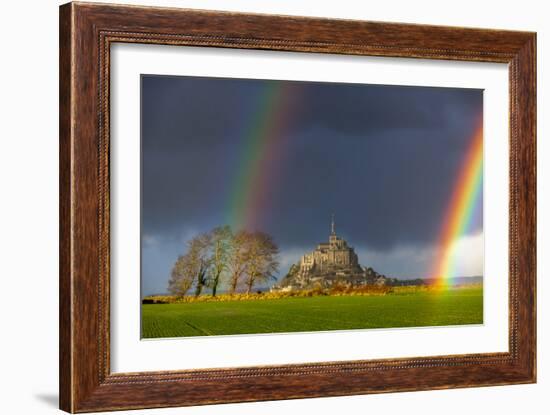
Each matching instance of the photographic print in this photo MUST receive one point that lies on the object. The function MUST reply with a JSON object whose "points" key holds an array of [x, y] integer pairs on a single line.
{"points": [[247, 198], [274, 206]]}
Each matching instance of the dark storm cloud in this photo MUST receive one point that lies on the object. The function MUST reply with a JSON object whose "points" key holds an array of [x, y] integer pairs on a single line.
{"points": [[382, 158], [200, 111], [357, 110]]}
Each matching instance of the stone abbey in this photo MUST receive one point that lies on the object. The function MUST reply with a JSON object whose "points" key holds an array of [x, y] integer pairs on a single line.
{"points": [[331, 262], [334, 256]]}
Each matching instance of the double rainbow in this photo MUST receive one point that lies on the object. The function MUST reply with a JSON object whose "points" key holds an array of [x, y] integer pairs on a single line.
{"points": [[263, 139], [461, 209]]}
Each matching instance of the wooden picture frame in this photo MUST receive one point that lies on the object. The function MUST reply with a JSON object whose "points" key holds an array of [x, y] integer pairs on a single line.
{"points": [[86, 33]]}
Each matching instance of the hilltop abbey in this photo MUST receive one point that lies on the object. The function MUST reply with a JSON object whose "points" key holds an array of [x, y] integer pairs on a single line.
{"points": [[334, 256], [331, 262]]}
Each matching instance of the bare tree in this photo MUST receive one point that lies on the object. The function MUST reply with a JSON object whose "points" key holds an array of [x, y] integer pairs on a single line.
{"points": [[192, 267], [199, 246], [263, 263], [220, 246], [220, 255], [183, 275], [238, 260]]}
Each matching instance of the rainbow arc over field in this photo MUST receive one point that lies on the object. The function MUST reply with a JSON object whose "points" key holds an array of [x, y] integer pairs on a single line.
{"points": [[466, 195], [264, 139], [261, 155]]}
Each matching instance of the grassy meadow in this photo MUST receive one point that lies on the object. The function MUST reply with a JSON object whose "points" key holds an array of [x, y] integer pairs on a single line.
{"points": [[406, 308]]}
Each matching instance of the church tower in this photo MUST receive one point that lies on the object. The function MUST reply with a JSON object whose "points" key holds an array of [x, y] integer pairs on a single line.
{"points": [[332, 238]]}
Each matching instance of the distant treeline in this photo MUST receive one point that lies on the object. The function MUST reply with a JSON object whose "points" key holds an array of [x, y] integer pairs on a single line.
{"points": [[404, 283], [224, 257], [338, 289], [335, 290], [431, 281]]}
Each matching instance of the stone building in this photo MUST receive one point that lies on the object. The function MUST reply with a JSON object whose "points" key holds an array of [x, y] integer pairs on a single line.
{"points": [[333, 256], [331, 262]]}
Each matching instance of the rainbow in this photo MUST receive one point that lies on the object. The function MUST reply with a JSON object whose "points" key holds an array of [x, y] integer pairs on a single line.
{"points": [[259, 164], [461, 209]]}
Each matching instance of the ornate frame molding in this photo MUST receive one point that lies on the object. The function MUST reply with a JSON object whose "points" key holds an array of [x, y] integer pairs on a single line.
{"points": [[86, 33]]}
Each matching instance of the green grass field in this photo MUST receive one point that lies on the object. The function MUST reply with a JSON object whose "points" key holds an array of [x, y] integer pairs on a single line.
{"points": [[452, 307]]}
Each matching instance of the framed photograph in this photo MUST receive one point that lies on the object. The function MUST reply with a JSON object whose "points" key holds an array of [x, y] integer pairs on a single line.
{"points": [[258, 207]]}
